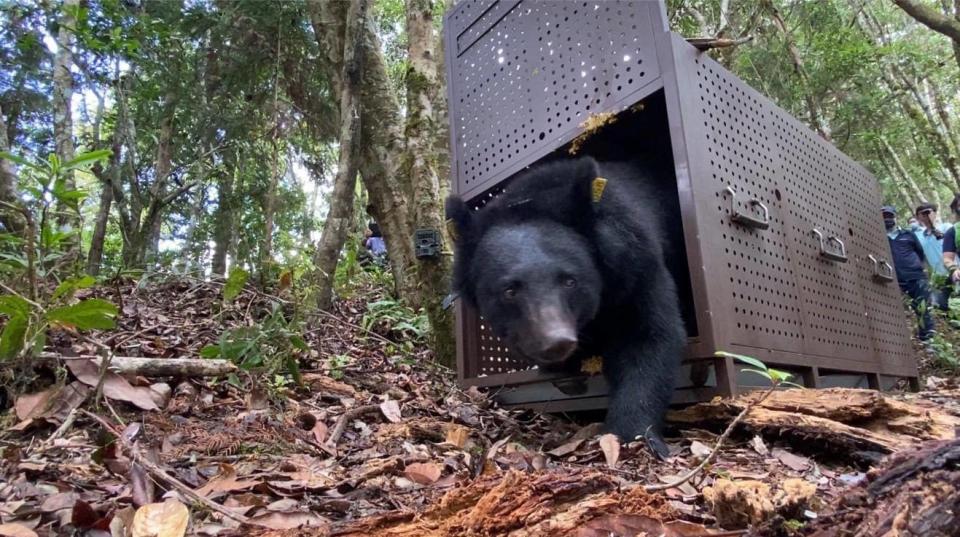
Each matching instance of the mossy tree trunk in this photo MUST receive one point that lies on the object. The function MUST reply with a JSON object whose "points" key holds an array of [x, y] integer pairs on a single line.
{"points": [[399, 157], [340, 214]]}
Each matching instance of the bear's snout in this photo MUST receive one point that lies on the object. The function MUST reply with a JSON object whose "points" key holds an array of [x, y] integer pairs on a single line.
{"points": [[559, 345]]}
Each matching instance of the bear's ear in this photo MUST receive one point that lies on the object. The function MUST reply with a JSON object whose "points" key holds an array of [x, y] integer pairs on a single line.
{"points": [[459, 219], [589, 185]]}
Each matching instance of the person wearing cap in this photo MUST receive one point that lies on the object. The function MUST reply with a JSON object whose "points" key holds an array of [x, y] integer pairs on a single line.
{"points": [[908, 260], [931, 238], [950, 243]]}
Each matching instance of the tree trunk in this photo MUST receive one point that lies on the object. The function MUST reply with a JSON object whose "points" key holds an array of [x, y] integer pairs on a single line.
{"points": [[63, 115], [423, 90], [269, 204], [339, 217], [904, 174], [10, 220], [814, 110], [224, 218], [95, 255]]}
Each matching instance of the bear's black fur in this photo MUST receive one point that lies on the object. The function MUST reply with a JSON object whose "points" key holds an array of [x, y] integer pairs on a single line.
{"points": [[553, 270]]}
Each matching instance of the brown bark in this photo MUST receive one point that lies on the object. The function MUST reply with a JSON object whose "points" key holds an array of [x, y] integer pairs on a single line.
{"points": [[914, 494], [860, 424], [814, 110], [63, 113], [340, 215], [423, 83], [558, 502]]}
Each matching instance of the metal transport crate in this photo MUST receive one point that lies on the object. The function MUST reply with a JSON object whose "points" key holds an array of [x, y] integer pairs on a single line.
{"points": [[786, 255]]}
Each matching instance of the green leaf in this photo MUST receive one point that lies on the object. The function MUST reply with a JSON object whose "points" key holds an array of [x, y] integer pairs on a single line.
{"points": [[69, 286], [763, 374], [779, 376], [87, 158], [19, 160], [235, 282], [87, 314], [745, 359], [299, 343], [14, 306], [293, 367], [13, 336], [210, 351]]}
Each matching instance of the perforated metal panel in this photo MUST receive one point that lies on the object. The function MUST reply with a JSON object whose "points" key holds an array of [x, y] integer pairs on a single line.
{"points": [[525, 74], [753, 184], [743, 162]]}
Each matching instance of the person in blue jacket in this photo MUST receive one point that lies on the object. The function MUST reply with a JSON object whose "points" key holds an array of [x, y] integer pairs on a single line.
{"points": [[909, 260], [931, 236]]}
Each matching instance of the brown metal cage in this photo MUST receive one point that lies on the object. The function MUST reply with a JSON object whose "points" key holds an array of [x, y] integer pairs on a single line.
{"points": [[787, 255]]}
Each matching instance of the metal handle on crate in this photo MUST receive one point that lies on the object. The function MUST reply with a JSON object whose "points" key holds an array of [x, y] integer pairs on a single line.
{"points": [[746, 219], [885, 276], [840, 257]]}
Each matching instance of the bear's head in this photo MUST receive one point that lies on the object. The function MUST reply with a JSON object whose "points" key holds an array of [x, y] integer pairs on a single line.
{"points": [[526, 263]]}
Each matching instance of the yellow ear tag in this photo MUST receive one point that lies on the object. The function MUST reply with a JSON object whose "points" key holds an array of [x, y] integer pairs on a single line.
{"points": [[596, 188], [592, 365], [452, 230]]}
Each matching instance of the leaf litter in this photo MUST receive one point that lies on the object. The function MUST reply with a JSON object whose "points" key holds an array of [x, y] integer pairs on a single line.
{"points": [[387, 444]]}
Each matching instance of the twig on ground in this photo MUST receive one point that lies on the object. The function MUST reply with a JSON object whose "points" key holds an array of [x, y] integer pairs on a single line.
{"points": [[339, 319], [716, 448], [161, 474], [63, 428], [346, 418]]}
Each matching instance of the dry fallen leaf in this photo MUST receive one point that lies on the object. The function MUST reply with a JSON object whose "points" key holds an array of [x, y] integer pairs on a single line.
{"points": [[757, 444], [458, 435], [391, 409], [320, 432], [794, 462], [167, 519], [610, 445], [16, 530], [423, 473], [226, 481], [700, 450], [114, 386], [567, 448], [289, 521], [32, 405]]}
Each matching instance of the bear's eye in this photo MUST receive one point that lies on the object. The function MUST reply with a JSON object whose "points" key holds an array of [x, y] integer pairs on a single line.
{"points": [[569, 282], [510, 293]]}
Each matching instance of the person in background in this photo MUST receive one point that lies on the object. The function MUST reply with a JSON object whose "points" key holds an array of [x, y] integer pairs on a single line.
{"points": [[950, 260], [931, 238], [908, 260], [914, 225], [375, 244]]}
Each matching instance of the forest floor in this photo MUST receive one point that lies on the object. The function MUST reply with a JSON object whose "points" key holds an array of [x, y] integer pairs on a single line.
{"points": [[377, 441]]}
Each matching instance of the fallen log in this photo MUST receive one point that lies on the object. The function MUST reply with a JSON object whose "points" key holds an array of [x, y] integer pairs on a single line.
{"points": [[915, 493], [571, 502], [863, 424], [152, 367]]}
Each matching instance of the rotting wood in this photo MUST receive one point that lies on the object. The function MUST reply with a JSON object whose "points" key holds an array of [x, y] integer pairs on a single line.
{"points": [[860, 423], [153, 367], [915, 493]]}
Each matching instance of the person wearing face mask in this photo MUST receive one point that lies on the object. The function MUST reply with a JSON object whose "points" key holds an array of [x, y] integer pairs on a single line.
{"points": [[914, 225], [931, 238], [908, 260]]}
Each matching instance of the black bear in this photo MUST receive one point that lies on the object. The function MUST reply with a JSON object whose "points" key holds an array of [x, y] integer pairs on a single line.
{"points": [[569, 262]]}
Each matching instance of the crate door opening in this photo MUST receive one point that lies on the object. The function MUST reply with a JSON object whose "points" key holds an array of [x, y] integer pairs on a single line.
{"points": [[638, 134]]}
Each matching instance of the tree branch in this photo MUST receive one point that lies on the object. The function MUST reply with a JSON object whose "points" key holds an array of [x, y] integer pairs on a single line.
{"points": [[931, 18]]}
